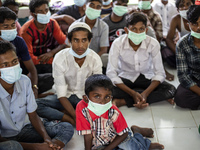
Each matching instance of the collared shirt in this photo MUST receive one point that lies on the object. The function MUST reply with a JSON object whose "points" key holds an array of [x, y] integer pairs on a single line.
{"points": [[100, 33], [167, 12], [124, 62], [188, 61], [104, 128], [14, 109], [156, 22], [69, 77]]}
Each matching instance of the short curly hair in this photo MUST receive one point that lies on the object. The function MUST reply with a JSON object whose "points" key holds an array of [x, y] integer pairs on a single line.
{"points": [[193, 13], [36, 3]]}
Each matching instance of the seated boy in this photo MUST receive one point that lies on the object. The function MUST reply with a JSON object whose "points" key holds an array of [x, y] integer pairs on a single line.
{"points": [[188, 60], [8, 32], [102, 123], [71, 67], [18, 118], [135, 62], [99, 42]]}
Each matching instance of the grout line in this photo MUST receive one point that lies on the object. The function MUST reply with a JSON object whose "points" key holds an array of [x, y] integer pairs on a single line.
{"points": [[194, 120], [154, 125]]}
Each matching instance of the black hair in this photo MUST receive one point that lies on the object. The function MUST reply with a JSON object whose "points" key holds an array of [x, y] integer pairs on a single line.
{"points": [[6, 13], [96, 81], [6, 3], [179, 1], [36, 3], [70, 34], [193, 13], [136, 17], [6, 46], [123, 1], [100, 1]]}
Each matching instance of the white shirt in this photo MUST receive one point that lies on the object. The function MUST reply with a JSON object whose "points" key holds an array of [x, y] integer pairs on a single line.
{"points": [[166, 12], [124, 62], [69, 78]]}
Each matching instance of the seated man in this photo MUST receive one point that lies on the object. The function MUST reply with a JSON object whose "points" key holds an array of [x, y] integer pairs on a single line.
{"points": [[179, 22], [38, 34], [99, 42], [14, 6], [71, 67], [18, 118], [188, 60], [8, 32], [135, 62]]}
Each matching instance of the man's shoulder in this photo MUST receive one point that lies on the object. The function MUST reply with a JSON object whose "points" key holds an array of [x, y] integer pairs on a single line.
{"points": [[27, 25], [81, 105], [106, 18], [183, 42], [102, 24], [61, 54]]}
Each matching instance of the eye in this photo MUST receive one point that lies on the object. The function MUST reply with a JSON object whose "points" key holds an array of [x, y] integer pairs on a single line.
{"points": [[15, 61], [97, 96], [76, 40], [84, 40]]}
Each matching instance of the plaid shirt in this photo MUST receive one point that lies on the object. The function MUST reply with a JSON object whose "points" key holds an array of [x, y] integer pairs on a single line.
{"points": [[188, 61], [156, 22], [104, 128]]}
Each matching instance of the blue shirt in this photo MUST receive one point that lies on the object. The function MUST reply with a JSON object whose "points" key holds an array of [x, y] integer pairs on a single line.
{"points": [[188, 61], [21, 49], [14, 109]]}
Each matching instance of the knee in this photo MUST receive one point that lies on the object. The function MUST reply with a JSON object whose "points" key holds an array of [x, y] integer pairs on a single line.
{"points": [[67, 128]]}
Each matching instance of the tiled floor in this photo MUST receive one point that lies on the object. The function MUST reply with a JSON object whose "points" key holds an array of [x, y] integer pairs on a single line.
{"points": [[174, 127]]}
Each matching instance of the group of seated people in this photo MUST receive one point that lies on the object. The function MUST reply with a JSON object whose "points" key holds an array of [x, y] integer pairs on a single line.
{"points": [[69, 51]]}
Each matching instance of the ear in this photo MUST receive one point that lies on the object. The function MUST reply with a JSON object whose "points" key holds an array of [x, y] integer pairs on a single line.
{"points": [[146, 29], [85, 98], [126, 30], [34, 16]]}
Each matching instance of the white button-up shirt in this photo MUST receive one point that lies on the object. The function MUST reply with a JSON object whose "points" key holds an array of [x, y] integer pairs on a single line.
{"points": [[14, 109], [69, 77], [126, 63]]}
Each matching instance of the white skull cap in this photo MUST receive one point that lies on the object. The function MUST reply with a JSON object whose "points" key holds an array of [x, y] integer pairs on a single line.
{"points": [[78, 25]]}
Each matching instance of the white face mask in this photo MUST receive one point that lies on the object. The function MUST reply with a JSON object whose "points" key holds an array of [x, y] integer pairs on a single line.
{"points": [[183, 13], [8, 35], [44, 18], [99, 109], [11, 74], [72, 52]]}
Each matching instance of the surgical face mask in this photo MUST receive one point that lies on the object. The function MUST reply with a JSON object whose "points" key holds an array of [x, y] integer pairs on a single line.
{"points": [[120, 10], [92, 13], [9, 35], [99, 109], [72, 52], [79, 3], [11, 74], [195, 34], [144, 5], [136, 38], [106, 3], [183, 13], [44, 18]]}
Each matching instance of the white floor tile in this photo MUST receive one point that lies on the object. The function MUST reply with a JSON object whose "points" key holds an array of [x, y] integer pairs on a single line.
{"points": [[179, 138], [196, 115], [172, 117]]}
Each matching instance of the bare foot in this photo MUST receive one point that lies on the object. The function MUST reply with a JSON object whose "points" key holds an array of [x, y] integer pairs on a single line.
{"points": [[146, 132], [169, 77], [156, 146], [171, 101], [118, 102]]}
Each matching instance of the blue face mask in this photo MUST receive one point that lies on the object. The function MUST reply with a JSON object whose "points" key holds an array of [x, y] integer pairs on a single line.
{"points": [[8, 35], [106, 3], [44, 18], [11, 74], [79, 3], [99, 109], [79, 56]]}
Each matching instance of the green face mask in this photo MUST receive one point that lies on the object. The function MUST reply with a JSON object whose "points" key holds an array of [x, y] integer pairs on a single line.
{"points": [[144, 5], [92, 13], [136, 38], [120, 10], [99, 109], [195, 34]]}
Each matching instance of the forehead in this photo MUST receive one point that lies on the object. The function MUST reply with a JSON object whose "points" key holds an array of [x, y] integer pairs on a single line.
{"points": [[137, 25], [95, 2], [101, 90], [8, 56], [185, 1], [8, 21], [80, 34], [41, 7], [13, 7]]}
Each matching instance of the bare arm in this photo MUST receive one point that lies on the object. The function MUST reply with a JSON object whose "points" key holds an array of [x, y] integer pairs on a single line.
{"points": [[172, 33], [32, 74], [68, 107], [118, 139], [88, 141], [103, 50], [66, 18]]}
